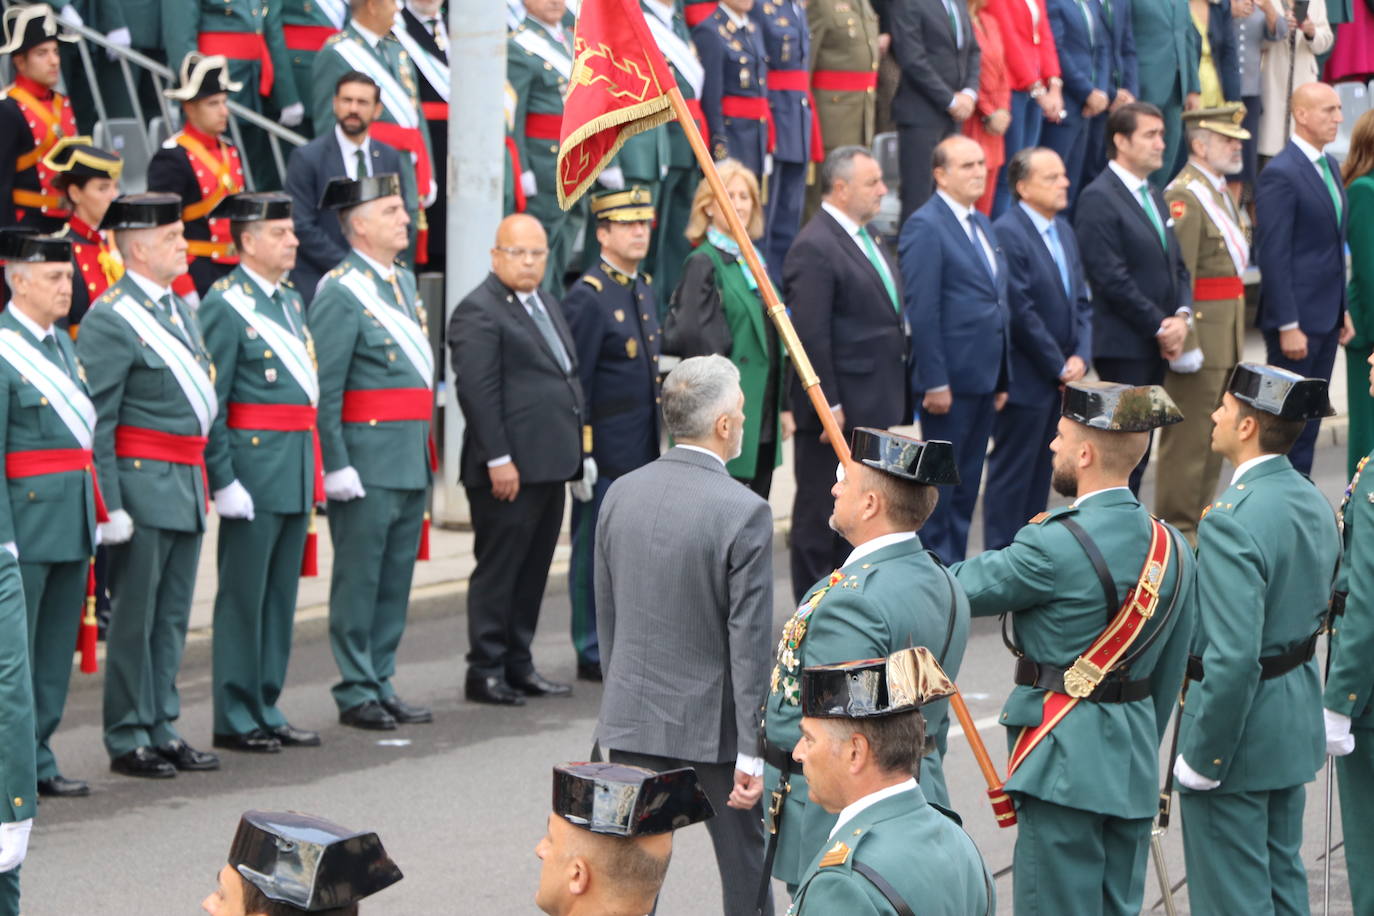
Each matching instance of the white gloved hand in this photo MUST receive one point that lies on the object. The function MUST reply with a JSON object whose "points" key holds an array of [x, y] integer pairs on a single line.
{"points": [[121, 38], [768, 164], [431, 196], [1188, 362], [70, 16], [343, 485], [583, 490], [12, 547], [1339, 741], [292, 115], [234, 501], [1191, 778], [118, 529], [14, 844], [612, 178], [528, 184]]}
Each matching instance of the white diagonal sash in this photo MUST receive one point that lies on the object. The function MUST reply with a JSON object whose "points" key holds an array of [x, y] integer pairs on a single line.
{"points": [[545, 50], [394, 98], [679, 53], [288, 346], [194, 381], [403, 329], [1236, 245], [335, 10], [434, 70], [64, 395]]}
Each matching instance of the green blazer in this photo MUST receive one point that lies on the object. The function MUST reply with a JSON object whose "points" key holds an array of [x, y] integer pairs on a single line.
{"points": [[894, 597], [184, 20], [1168, 70], [356, 352], [18, 750], [1350, 679], [1267, 552], [277, 468], [50, 517], [1046, 582], [921, 851], [131, 385]]}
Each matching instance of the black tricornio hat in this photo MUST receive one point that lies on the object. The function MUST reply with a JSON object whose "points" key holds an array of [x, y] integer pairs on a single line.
{"points": [[1284, 394], [252, 206], [308, 862], [627, 801], [142, 211], [75, 158], [20, 245], [201, 77], [1115, 407], [29, 26], [902, 682], [929, 462], [342, 193]]}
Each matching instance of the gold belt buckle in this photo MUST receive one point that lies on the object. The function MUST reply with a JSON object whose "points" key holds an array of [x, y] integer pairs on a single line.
{"points": [[774, 809], [1083, 678]]}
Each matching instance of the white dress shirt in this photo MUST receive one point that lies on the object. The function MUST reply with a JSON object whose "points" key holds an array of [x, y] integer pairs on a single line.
{"points": [[854, 809], [154, 291], [268, 287], [1247, 465], [369, 36], [350, 149], [28, 324], [878, 543], [1087, 496]]}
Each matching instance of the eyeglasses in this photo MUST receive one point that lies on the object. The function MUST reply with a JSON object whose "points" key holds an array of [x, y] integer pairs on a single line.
{"points": [[525, 254]]}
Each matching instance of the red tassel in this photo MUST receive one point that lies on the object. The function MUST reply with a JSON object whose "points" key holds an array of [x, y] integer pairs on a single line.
{"points": [[86, 638], [422, 245], [310, 560], [423, 552]]}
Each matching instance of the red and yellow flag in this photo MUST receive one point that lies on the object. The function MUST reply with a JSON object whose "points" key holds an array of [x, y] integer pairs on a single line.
{"points": [[619, 87]]}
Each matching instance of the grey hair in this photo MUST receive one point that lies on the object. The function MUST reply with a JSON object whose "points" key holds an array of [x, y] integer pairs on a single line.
{"points": [[696, 393], [346, 218], [839, 165], [125, 239], [12, 269]]}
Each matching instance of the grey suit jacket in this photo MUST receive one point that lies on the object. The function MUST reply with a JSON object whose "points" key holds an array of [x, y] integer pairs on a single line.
{"points": [[684, 609]]}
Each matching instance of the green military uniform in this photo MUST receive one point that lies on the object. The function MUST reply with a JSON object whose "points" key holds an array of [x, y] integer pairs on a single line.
{"points": [[1267, 553], [259, 558], [891, 593], [306, 24], [1214, 247], [375, 537], [1168, 67], [1085, 796], [538, 68], [844, 76], [17, 770], [233, 28], [1360, 308], [49, 517], [152, 576], [1350, 686]]}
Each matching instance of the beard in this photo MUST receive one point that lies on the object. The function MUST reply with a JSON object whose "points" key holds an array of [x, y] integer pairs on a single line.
{"points": [[1065, 482], [353, 126]]}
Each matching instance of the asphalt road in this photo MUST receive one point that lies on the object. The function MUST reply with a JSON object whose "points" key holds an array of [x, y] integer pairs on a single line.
{"points": [[460, 803]]}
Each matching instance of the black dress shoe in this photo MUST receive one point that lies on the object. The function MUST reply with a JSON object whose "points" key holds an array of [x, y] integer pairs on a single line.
{"points": [[255, 742], [535, 684], [405, 713], [493, 690], [62, 787], [184, 757], [369, 715], [589, 671], [144, 762], [291, 736]]}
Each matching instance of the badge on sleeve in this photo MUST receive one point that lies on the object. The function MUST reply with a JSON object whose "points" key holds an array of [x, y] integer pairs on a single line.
{"points": [[1177, 209]]}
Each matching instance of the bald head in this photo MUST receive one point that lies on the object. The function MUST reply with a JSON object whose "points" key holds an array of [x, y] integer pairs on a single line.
{"points": [[1316, 113], [960, 168], [521, 252]]}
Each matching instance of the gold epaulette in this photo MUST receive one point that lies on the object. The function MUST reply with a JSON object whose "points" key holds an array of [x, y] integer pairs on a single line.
{"points": [[593, 282], [222, 283], [835, 855], [648, 278]]}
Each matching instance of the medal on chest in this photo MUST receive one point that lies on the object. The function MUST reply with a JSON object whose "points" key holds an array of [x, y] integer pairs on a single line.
{"points": [[784, 679]]}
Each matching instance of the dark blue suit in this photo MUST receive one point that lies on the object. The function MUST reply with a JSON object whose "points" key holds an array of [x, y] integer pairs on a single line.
{"points": [[735, 63], [1300, 250], [1136, 283], [787, 39], [961, 338], [1085, 60], [309, 169], [1124, 75], [1048, 325]]}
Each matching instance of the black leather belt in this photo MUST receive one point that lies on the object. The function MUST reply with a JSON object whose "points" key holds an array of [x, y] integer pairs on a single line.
{"points": [[1271, 666], [604, 410], [1114, 689], [780, 757]]}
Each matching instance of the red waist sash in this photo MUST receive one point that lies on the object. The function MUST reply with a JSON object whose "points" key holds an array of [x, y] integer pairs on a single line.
{"points": [[752, 107], [242, 46], [156, 445], [842, 80], [543, 126], [694, 106], [286, 418], [307, 37], [36, 462], [1216, 289], [799, 81], [434, 111], [391, 405]]}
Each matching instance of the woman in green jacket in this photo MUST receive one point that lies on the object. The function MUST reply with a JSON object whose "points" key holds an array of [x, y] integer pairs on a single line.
{"points": [[1358, 174], [717, 308]]}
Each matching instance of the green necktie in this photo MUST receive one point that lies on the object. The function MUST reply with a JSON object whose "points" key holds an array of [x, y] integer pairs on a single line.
{"points": [[1325, 166], [362, 163], [880, 267], [1149, 205], [55, 353]]}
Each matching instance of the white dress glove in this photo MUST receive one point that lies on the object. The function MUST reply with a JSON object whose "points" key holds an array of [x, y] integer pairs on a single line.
{"points": [[1339, 741], [118, 529], [583, 490], [767, 163], [292, 115], [12, 547], [528, 184], [612, 178], [1188, 362], [343, 485], [14, 844], [234, 501], [192, 299], [1191, 778], [430, 196], [70, 16], [120, 38]]}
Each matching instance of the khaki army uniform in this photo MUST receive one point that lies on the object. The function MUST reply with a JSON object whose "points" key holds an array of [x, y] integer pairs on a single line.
{"points": [[844, 76]]}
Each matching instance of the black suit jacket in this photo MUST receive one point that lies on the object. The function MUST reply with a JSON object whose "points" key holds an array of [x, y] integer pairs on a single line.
{"points": [[933, 67], [516, 398], [855, 338], [1135, 282], [309, 169]]}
